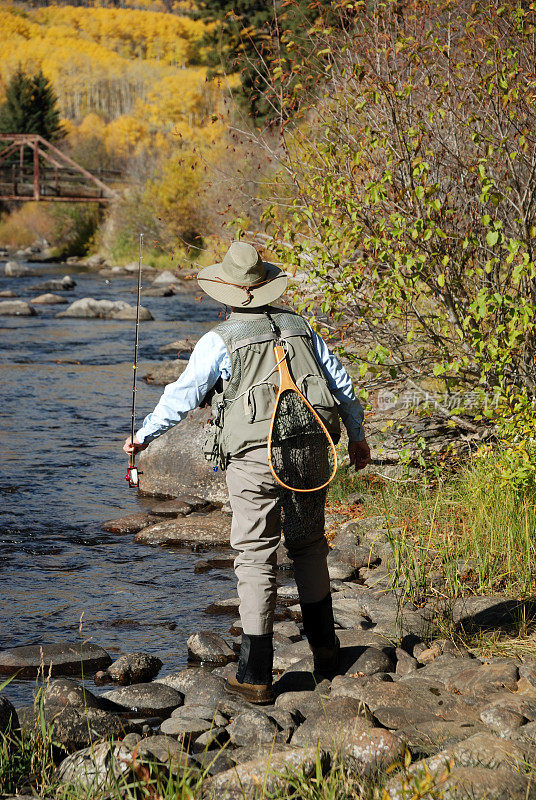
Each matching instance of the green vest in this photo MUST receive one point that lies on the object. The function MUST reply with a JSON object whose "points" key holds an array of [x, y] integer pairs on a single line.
{"points": [[241, 413]]}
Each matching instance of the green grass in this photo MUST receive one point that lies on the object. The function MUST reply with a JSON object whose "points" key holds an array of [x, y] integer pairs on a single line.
{"points": [[461, 535]]}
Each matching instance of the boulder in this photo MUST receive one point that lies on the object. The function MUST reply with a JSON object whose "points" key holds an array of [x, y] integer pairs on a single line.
{"points": [[65, 284], [173, 463], [166, 372], [272, 771], [475, 613], [207, 690], [60, 659], [65, 692], [185, 729], [338, 720], [8, 715], [208, 647], [8, 293], [466, 783], [167, 750], [206, 529], [166, 278], [373, 750], [96, 767], [48, 299], [75, 728], [159, 291], [154, 699], [252, 726], [177, 508], [131, 523], [89, 308], [16, 308], [134, 668], [181, 345], [181, 680], [15, 270], [480, 680], [372, 660]]}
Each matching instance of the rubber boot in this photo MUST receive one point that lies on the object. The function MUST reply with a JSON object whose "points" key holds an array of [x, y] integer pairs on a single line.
{"points": [[253, 679], [319, 628]]}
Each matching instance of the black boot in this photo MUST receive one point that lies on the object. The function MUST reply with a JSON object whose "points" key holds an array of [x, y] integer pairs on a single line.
{"points": [[319, 628], [253, 679]]}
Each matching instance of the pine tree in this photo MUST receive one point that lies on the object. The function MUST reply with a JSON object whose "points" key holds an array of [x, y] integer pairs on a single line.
{"points": [[30, 107]]}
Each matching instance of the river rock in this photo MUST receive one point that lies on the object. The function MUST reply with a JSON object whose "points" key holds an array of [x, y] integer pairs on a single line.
{"points": [[502, 720], [206, 529], [90, 308], [185, 729], [208, 691], [481, 750], [131, 523], [178, 508], [252, 726], [181, 680], [8, 293], [338, 720], [134, 668], [169, 751], [165, 372], [13, 269], [368, 752], [159, 291], [214, 738], [372, 660], [173, 463], [480, 680], [166, 278], [96, 767], [65, 284], [78, 727], [180, 346], [146, 698], [48, 299], [270, 771], [427, 737], [209, 647], [16, 308], [61, 659], [65, 692], [475, 613], [466, 783], [8, 716]]}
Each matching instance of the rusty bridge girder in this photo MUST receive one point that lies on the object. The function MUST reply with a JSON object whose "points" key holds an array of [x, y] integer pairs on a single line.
{"points": [[59, 178]]}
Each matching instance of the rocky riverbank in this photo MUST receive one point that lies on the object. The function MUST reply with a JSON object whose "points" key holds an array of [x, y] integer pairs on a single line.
{"points": [[469, 722]]}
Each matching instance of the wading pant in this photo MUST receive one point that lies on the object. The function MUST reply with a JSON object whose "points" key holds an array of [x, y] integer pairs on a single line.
{"points": [[262, 509]]}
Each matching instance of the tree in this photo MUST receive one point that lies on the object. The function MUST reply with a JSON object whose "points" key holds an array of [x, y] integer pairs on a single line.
{"points": [[253, 37], [30, 107], [407, 192]]}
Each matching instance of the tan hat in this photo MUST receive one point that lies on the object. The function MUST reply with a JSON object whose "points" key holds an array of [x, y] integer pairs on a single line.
{"points": [[243, 279]]}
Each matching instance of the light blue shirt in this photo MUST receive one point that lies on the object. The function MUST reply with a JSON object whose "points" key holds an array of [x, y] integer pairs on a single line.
{"points": [[210, 360]]}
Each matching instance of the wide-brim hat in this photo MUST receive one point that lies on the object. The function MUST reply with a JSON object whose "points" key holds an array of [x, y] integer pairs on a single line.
{"points": [[243, 279]]}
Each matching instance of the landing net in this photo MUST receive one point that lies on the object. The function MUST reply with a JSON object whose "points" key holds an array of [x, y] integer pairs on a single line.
{"points": [[301, 453]]}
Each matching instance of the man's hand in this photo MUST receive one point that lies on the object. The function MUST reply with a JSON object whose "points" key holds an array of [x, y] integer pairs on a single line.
{"points": [[359, 453], [132, 446]]}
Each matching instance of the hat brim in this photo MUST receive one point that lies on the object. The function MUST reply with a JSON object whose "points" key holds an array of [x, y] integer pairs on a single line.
{"points": [[234, 296]]}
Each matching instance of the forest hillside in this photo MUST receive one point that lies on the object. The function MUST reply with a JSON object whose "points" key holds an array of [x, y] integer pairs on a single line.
{"points": [[133, 96]]}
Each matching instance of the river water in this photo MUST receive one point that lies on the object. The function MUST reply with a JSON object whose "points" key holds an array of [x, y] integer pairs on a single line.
{"points": [[65, 388]]}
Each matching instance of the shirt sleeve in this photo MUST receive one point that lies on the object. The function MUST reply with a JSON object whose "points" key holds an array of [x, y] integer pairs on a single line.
{"points": [[340, 384], [209, 361]]}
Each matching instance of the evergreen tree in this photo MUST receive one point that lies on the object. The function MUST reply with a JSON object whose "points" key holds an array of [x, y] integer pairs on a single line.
{"points": [[246, 35], [30, 107]]}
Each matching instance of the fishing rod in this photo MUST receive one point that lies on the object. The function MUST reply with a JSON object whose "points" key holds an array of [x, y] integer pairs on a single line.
{"points": [[132, 475]]}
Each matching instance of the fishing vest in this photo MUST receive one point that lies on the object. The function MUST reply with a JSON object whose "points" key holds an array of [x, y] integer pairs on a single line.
{"points": [[241, 413]]}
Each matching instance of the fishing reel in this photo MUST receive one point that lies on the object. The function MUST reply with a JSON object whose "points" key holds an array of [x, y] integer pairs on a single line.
{"points": [[133, 473]]}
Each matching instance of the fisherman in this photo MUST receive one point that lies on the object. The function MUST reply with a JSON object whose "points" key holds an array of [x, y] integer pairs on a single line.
{"points": [[229, 364]]}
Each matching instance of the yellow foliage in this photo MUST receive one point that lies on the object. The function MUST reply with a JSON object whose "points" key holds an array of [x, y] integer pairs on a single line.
{"points": [[126, 136]]}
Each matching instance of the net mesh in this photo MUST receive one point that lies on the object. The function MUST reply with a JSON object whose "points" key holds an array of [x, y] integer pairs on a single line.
{"points": [[302, 457]]}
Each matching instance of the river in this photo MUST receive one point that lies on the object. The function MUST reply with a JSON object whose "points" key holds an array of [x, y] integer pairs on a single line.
{"points": [[66, 390]]}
